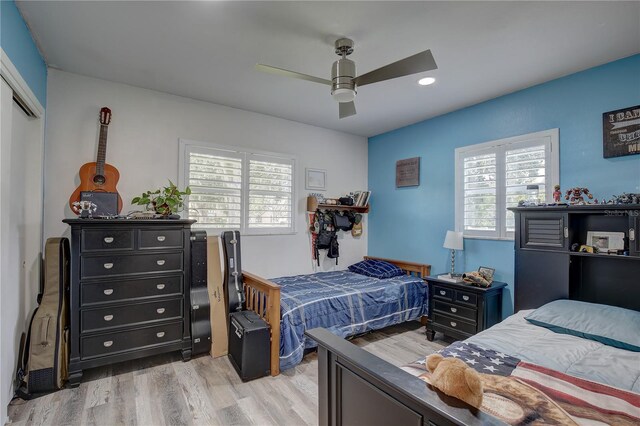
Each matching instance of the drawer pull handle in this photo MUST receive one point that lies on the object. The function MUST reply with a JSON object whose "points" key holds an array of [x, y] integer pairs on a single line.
{"points": [[108, 291], [161, 238], [108, 317], [160, 286], [108, 240], [108, 343], [160, 334], [160, 310], [454, 324], [465, 298], [454, 310], [566, 232], [108, 265], [160, 262], [632, 234], [442, 292]]}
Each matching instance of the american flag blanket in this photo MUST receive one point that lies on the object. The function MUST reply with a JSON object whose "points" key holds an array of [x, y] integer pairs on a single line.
{"points": [[520, 393]]}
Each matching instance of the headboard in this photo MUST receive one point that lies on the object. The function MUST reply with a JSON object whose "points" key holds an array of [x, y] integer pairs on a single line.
{"points": [[421, 270]]}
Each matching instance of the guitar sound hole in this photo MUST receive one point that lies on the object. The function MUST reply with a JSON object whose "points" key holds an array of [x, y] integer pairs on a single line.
{"points": [[99, 180]]}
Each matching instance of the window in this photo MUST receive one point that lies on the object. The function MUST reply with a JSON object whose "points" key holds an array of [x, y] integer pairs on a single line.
{"points": [[234, 189], [493, 176]]}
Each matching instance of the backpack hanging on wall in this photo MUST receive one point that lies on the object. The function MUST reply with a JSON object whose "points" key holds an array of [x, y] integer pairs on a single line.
{"points": [[327, 238], [44, 350]]}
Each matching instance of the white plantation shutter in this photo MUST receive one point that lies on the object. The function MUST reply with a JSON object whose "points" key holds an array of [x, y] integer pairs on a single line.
{"points": [[524, 167], [270, 193], [480, 203], [215, 179], [493, 176], [231, 189]]}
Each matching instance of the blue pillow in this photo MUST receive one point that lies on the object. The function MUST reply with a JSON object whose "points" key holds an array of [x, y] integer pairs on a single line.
{"points": [[376, 269], [610, 325]]}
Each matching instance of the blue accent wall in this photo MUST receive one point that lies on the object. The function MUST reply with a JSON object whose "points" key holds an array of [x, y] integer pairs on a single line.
{"points": [[17, 43], [411, 223]]}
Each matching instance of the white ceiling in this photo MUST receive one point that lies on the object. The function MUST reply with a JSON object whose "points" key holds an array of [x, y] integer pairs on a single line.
{"points": [[207, 50]]}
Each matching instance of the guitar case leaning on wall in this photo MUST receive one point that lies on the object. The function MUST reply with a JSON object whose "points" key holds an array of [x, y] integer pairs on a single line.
{"points": [[233, 270], [200, 306], [44, 360]]}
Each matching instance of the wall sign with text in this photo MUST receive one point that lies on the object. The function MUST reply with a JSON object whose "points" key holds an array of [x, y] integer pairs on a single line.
{"points": [[621, 132], [408, 172]]}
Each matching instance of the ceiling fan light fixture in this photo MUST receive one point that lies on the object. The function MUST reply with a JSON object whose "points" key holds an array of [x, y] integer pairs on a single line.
{"points": [[344, 95], [426, 81]]}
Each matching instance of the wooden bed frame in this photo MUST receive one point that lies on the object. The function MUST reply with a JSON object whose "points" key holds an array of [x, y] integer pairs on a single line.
{"points": [[263, 297]]}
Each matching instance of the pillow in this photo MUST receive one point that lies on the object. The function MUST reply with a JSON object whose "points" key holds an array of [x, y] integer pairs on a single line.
{"points": [[610, 325], [376, 269]]}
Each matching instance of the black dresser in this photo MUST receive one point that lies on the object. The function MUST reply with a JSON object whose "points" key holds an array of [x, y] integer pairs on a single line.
{"points": [[129, 293], [461, 310]]}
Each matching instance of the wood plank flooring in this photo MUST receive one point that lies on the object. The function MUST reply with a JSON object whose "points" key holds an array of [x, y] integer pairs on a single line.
{"points": [[163, 390]]}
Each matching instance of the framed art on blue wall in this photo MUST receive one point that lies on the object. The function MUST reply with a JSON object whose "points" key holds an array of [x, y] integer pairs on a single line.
{"points": [[621, 132], [408, 172]]}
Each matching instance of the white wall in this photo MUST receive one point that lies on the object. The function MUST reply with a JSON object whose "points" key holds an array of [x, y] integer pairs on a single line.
{"points": [[143, 145], [21, 148]]}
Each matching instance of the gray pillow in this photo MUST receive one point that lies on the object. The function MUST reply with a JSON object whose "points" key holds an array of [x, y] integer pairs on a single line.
{"points": [[610, 325]]}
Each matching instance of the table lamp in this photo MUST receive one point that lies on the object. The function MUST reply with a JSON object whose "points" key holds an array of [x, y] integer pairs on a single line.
{"points": [[454, 241]]}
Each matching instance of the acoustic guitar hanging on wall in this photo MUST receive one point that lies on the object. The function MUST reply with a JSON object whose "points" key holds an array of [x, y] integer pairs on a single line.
{"points": [[98, 176]]}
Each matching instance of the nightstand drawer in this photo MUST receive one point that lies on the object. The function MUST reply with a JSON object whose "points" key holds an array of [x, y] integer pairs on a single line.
{"points": [[466, 297], [129, 315], [106, 239], [122, 341], [160, 238], [459, 311], [443, 292], [454, 323], [106, 292], [106, 266]]}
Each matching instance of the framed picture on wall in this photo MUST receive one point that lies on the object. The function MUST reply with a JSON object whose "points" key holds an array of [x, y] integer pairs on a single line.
{"points": [[316, 179], [621, 132]]}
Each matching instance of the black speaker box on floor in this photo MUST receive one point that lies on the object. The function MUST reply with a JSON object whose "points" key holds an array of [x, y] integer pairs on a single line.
{"points": [[249, 345], [200, 308]]}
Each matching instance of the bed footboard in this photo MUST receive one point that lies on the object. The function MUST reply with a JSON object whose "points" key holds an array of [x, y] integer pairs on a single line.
{"points": [[356, 387], [263, 298]]}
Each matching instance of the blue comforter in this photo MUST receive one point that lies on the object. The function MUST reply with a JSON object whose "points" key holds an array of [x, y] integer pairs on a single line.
{"points": [[346, 304]]}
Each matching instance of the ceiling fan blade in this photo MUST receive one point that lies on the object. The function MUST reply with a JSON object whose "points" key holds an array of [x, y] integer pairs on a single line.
{"points": [[419, 62], [287, 73], [347, 109]]}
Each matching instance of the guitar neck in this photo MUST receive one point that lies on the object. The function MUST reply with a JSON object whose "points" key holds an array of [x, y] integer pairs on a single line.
{"points": [[102, 150]]}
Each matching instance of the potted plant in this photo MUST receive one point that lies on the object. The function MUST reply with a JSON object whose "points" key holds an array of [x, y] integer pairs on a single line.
{"points": [[165, 201]]}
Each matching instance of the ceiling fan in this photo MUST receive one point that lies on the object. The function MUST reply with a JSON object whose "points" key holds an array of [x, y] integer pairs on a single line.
{"points": [[344, 82]]}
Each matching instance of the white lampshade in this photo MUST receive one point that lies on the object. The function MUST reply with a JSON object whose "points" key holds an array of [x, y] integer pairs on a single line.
{"points": [[454, 241]]}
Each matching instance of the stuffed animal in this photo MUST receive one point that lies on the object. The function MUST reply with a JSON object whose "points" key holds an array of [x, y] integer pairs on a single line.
{"points": [[455, 378]]}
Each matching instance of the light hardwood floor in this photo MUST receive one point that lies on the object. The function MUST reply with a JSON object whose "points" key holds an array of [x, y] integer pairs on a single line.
{"points": [[163, 390]]}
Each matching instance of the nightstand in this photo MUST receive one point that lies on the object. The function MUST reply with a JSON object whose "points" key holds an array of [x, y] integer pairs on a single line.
{"points": [[460, 310]]}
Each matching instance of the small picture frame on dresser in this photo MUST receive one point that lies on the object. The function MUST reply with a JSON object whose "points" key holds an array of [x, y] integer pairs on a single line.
{"points": [[487, 272]]}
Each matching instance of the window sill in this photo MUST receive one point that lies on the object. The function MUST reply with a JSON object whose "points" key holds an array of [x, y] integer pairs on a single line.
{"points": [[480, 237]]}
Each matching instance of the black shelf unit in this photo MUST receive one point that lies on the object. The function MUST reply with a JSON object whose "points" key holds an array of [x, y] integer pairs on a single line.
{"points": [[546, 269]]}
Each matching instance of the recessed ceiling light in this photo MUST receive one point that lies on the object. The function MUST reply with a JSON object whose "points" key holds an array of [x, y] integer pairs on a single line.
{"points": [[426, 81]]}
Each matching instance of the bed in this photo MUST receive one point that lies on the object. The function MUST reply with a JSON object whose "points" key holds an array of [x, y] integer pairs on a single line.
{"points": [[343, 302], [558, 376]]}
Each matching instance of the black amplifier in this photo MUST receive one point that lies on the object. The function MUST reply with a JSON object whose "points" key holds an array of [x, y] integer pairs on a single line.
{"points": [[249, 349]]}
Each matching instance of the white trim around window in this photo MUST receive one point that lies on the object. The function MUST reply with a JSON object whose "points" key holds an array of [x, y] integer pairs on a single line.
{"points": [[492, 176], [233, 188]]}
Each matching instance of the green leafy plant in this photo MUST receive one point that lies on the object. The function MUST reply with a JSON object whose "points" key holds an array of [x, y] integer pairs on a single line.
{"points": [[164, 201]]}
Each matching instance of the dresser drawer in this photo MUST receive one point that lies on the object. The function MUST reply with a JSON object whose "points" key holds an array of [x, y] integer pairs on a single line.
{"points": [[122, 341], [468, 313], [467, 298], [160, 238], [454, 323], [106, 239], [443, 292], [129, 315], [106, 266], [105, 292]]}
